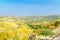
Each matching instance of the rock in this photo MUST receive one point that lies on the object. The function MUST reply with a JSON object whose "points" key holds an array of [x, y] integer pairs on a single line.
{"points": [[57, 38]]}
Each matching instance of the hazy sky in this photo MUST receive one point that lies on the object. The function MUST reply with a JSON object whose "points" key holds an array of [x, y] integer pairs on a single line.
{"points": [[29, 7]]}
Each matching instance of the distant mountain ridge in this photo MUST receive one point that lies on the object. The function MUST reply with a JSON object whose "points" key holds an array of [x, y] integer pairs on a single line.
{"points": [[35, 18], [41, 18]]}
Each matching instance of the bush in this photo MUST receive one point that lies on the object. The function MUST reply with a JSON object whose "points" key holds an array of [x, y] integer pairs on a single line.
{"points": [[47, 32]]}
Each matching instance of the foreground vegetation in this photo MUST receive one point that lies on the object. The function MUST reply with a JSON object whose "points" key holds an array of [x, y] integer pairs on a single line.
{"points": [[29, 28]]}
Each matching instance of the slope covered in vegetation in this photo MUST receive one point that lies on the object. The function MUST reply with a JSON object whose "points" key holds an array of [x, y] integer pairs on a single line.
{"points": [[29, 28]]}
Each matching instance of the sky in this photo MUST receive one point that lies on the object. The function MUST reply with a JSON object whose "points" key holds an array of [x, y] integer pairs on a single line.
{"points": [[29, 7]]}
